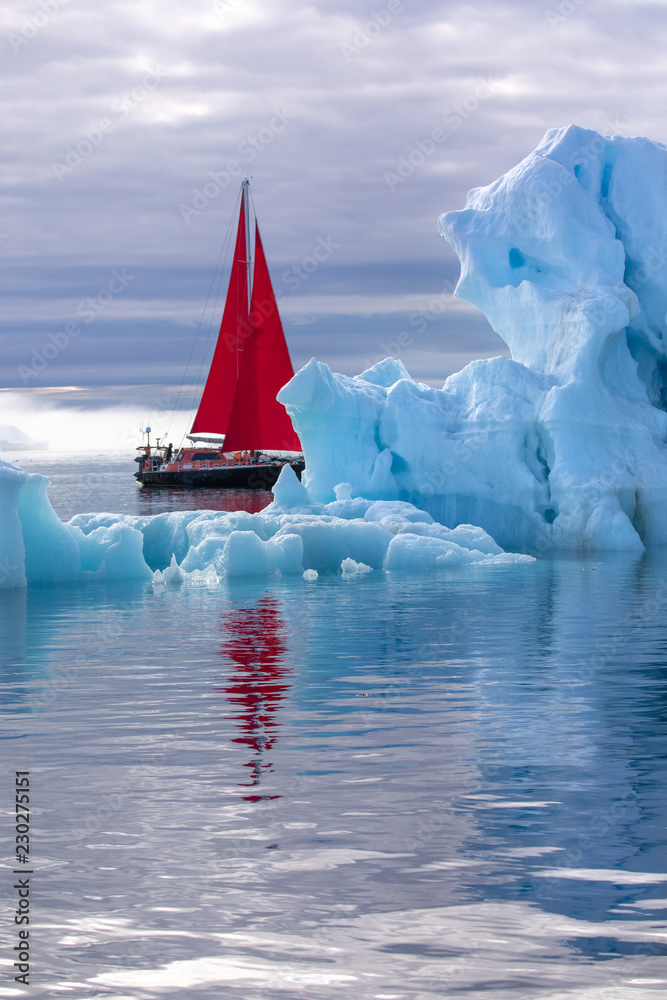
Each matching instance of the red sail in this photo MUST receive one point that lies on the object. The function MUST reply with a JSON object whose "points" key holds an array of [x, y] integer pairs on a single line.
{"points": [[218, 396], [258, 420]]}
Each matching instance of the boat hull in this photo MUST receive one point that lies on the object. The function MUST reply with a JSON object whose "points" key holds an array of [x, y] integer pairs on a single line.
{"points": [[252, 477]]}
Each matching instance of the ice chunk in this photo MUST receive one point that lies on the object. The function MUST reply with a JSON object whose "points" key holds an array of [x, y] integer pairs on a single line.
{"points": [[468, 536], [288, 492], [396, 511], [351, 568], [123, 557], [343, 491], [52, 554], [316, 400], [385, 373], [172, 576], [200, 548], [416, 552], [327, 541], [609, 528], [381, 481], [245, 554], [12, 551]]}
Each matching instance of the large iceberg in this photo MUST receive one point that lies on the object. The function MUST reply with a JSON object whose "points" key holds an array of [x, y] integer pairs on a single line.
{"points": [[564, 445]]}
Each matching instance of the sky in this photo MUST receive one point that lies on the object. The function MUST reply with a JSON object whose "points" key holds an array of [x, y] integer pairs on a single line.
{"points": [[127, 126]]}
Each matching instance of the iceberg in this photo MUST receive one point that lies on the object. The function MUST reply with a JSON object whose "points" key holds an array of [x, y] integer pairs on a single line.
{"points": [[293, 536], [14, 439], [563, 446]]}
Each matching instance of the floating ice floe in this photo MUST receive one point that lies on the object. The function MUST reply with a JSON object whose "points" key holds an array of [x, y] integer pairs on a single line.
{"points": [[294, 536], [565, 445]]}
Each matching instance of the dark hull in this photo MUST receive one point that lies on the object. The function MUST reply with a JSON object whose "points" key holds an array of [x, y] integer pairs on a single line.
{"points": [[253, 477]]}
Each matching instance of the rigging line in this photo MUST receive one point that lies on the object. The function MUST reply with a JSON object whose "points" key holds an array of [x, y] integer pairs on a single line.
{"points": [[251, 221], [254, 211], [248, 238], [217, 276]]}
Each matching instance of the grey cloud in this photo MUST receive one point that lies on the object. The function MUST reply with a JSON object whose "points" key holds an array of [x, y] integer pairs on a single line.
{"points": [[323, 174]]}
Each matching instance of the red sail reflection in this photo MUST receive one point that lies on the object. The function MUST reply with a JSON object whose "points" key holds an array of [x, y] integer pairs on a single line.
{"points": [[254, 641]]}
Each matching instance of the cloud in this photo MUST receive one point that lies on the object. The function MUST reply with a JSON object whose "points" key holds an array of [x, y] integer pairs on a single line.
{"points": [[114, 116]]}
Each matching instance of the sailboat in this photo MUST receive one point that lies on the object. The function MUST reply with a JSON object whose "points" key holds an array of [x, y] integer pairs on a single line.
{"points": [[240, 433]]}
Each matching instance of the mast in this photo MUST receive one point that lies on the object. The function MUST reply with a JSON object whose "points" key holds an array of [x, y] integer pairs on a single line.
{"points": [[245, 190]]}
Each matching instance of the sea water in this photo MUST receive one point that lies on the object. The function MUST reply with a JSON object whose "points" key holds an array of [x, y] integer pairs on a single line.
{"points": [[376, 786]]}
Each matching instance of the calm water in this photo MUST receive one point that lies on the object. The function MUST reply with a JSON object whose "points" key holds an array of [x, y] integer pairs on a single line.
{"points": [[105, 483], [374, 787]]}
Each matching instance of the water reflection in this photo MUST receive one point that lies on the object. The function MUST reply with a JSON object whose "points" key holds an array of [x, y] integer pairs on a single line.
{"points": [[13, 672], [254, 642], [50, 638], [100, 483], [12, 627], [159, 499], [469, 768]]}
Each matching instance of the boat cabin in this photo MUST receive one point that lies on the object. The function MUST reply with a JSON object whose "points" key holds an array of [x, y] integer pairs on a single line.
{"points": [[206, 458], [155, 460]]}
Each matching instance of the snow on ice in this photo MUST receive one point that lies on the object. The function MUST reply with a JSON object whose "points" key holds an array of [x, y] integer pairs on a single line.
{"points": [[564, 445]]}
